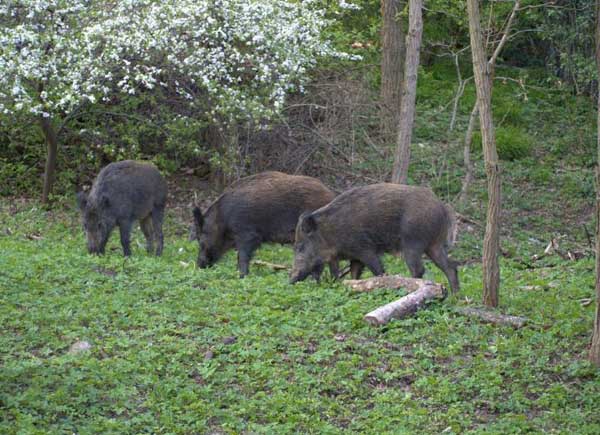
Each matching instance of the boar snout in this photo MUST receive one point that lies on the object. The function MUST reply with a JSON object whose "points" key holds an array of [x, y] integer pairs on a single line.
{"points": [[296, 276], [203, 264]]}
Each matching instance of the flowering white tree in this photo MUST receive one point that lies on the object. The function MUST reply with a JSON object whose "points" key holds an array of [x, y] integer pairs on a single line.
{"points": [[236, 58]]}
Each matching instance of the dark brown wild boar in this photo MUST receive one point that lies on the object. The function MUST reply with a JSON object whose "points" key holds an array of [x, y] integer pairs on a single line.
{"points": [[122, 193], [261, 208], [363, 223]]}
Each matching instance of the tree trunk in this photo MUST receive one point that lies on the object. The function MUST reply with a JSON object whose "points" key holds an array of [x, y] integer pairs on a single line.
{"points": [[466, 184], [491, 241], [595, 347], [216, 142], [469, 135], [52, 149], [409, 92], [392, 63]]}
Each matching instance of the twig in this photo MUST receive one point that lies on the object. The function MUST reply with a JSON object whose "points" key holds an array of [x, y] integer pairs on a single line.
{"points": [[273, 266], [463, 218]]}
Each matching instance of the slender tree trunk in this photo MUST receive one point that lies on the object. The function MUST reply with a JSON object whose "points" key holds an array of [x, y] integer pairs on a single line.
{"points": [[392, 63], [469, 135], [491, 241], [52, 149], [409, 92], [466, 184], [595, 347], [216, 142]]}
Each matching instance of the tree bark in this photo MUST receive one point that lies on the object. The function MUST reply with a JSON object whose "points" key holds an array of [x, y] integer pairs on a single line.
{"points": [[469, 135], [407, 305], [216, 142], [466, 184], [52, 149], [491, 241], [392, 63], [409, 92], [595, 347]]}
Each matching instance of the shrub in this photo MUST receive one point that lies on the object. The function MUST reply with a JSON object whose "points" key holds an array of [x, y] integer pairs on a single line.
{"points": [[512, 143]]}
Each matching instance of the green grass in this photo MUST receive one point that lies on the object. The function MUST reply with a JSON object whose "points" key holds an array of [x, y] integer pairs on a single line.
{"points": [[163, 359], [302, 360]]}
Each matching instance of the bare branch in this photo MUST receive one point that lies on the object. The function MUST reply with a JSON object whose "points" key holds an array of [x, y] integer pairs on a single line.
{"points": [[505, 33]]}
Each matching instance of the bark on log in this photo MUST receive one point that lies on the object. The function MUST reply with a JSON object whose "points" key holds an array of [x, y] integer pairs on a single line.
{"points": [[491, 317], [406, 305], [386, 281]]}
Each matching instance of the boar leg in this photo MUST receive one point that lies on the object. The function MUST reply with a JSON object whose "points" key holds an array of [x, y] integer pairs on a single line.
{"points": [[148, 230], [356, 269], [157, 221], [439, 256], [414, 262], [125, 230], [334, 269], [372, 261], [246, 248], [316, 273]]}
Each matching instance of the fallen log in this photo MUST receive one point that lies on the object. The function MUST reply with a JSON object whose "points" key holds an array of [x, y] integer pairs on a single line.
{"points": [[420, 291], [273, 266], [386, 281], [406, 305], [492, 317]]}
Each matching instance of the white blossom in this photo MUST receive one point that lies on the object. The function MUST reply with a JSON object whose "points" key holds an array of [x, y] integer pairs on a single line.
{"points": [[241, 55]]}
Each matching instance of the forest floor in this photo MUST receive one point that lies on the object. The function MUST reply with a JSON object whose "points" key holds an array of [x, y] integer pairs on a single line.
{"points": [[175, 349]]}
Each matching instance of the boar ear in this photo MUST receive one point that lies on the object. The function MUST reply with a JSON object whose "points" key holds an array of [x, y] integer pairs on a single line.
{"points": [[309, 223], [198, 219], [81, 200]]}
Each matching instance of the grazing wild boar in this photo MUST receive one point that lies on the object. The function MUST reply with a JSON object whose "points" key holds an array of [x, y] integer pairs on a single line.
{"points": [[122, 193], [363, 223], [261, 208]]}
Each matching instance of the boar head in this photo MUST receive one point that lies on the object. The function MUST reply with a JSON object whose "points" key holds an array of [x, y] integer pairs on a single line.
{"points": [[211, 238], [98, 221], [310, 250]]}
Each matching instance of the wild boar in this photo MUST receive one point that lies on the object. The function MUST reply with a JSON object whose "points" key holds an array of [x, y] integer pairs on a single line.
{"points": [[257, 209], [363, 223], [122, 193]]}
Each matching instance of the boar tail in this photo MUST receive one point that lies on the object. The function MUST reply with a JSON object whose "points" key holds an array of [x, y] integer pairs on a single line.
{"points": [[452, 232]]}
